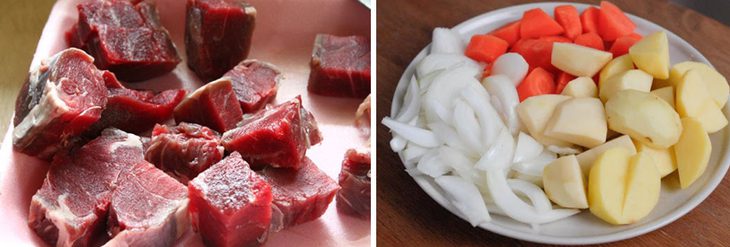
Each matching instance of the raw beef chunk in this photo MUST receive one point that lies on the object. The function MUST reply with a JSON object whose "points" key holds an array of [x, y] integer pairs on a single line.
{"points": [[299, 195], [362, 118], [213, 105], [125, 38], [354, 197], [61, 99], [255, 84], [104, 179], [137, 111], [148, 208], [185, 150], [230, 205], [340, 66], [278, 136], [217, 35]]}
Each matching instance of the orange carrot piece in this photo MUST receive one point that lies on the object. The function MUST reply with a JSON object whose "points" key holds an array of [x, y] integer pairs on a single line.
{"points": [[537, 82], [509, 32], [613, 23], [591, 40], [567, 16], [536, 23], [563, 79], [485, 48], [589, 20], [621, 45], [636, 35], [538, 52]]}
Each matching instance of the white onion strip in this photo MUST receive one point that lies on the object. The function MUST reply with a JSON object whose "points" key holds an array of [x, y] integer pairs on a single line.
{"points": [[466, 198], [467, 126], [538, 198], [488, 117], [411, 102], [499, 155], [422, 137]]}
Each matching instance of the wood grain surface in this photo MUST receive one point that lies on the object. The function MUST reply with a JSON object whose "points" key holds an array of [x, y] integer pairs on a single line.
{"points": [[406, 216], [21, 23]]}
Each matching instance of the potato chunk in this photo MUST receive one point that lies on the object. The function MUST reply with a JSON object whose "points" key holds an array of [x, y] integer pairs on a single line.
{"points": [[645, 117], [580, 121]]}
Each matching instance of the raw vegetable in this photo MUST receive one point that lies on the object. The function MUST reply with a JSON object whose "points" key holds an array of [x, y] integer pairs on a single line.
{"points": [[446, 41], [564, 183], [591, 40], [512, 65], [630, 79], [587, 158], [692, 152], [663, 157], [589, 20], [504, 99], [535, 112], [581, 87], [417, 135], [715, 83], [578, 60], [645, 117], [616, 66], [563, 80], [651, 54], [622, 44], [509, 32], [485, 48], [527, 148], [567, 16], [580, 121], [666, 94], [693, 100], [613, 23], [538, 82], [436, 62], [537, 52], [536, 23], [466, 198]]}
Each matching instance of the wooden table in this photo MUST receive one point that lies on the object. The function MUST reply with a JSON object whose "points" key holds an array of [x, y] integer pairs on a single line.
{"points": [[406, 216], [21, 23]]}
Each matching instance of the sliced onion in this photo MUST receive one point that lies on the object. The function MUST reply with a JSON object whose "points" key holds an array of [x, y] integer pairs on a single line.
{"points": [[444, 89], [535, 166], [397, 144], [424, 83], [435, 62], [461, 164], [527, 148], [564, 150], [411, 102], [538, 198], [504, 99], [466, 198], [536, 180], [421, 137], [451, 138], [488, 117], [517, 209], [412, 153], [512, 65], [467, 126], [446, 40], [432, 165], [499, 155]]}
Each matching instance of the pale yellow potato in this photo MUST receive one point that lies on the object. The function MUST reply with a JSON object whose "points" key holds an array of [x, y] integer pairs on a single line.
{"points": [[663, 157], [694, 101], [587, 158], [692, 152], [580, 121], [617, 65], [581, 87], [564, 183], [645, 117], [716, 83], [535, 112], [630, 79], [665, 93], [643, 185], [651, 54], [607, 185], [578, 60]]}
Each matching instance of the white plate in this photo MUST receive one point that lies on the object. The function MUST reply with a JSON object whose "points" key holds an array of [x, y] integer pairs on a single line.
{"points": [[585, 228]]}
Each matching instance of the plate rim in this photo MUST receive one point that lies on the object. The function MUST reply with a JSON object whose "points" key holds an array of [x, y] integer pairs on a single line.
{"points": [[684, 208]]}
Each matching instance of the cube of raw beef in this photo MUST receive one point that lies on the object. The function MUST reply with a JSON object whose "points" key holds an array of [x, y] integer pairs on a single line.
{"points": [[137, 111], [61, 99], [106, 176], [340, 66], [217, 35], [362, 118], [277, 136], [354, 197], [230, 205], [148, 208], [299, 195], [125, 38], [213, 105], [255, 84], [185, 150]]}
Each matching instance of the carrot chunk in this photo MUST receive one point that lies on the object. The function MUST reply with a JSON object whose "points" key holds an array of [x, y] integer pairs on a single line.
{"points": [[613, 23], [536, 23], [509, 32], [537, 82], [621, 45], [485, 48], [563, 79], [589, 20], [538, 52], [567, 16], [591, 40]]}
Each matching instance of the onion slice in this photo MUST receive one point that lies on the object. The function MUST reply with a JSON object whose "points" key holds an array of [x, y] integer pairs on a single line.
{"points": [[499, 155], [467, 126], [411, 102], [445, 40], [512, 65], [422, 137], [504, 99], [488, 117], [466, 198], [432, 165], [527, 148], [538, 198]]}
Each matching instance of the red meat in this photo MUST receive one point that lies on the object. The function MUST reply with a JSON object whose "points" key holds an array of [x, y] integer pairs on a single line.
{"points": [[183, 151], [213, 105], [217, 35], [340, 66], [137, 111], [354, 197], [124, 38], [61, 99], [277, 136], [230, 205], [255, 84], [299, 195]]}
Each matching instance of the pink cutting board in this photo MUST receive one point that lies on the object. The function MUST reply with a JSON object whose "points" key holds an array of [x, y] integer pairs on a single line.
{"points": [[284, 36]]}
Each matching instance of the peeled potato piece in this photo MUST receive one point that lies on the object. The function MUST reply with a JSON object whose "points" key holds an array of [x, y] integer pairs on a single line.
{"points": [[607, 185], [564, 183], [630, 79], [643, 184], [580, 121], [645, 117], [578, 60], [692, 152], [716, 83], [651, 54], [694, 101], [581, 87]]}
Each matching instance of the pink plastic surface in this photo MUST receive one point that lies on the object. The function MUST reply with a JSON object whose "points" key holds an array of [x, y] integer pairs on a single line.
{"points": [[284, 36]]}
